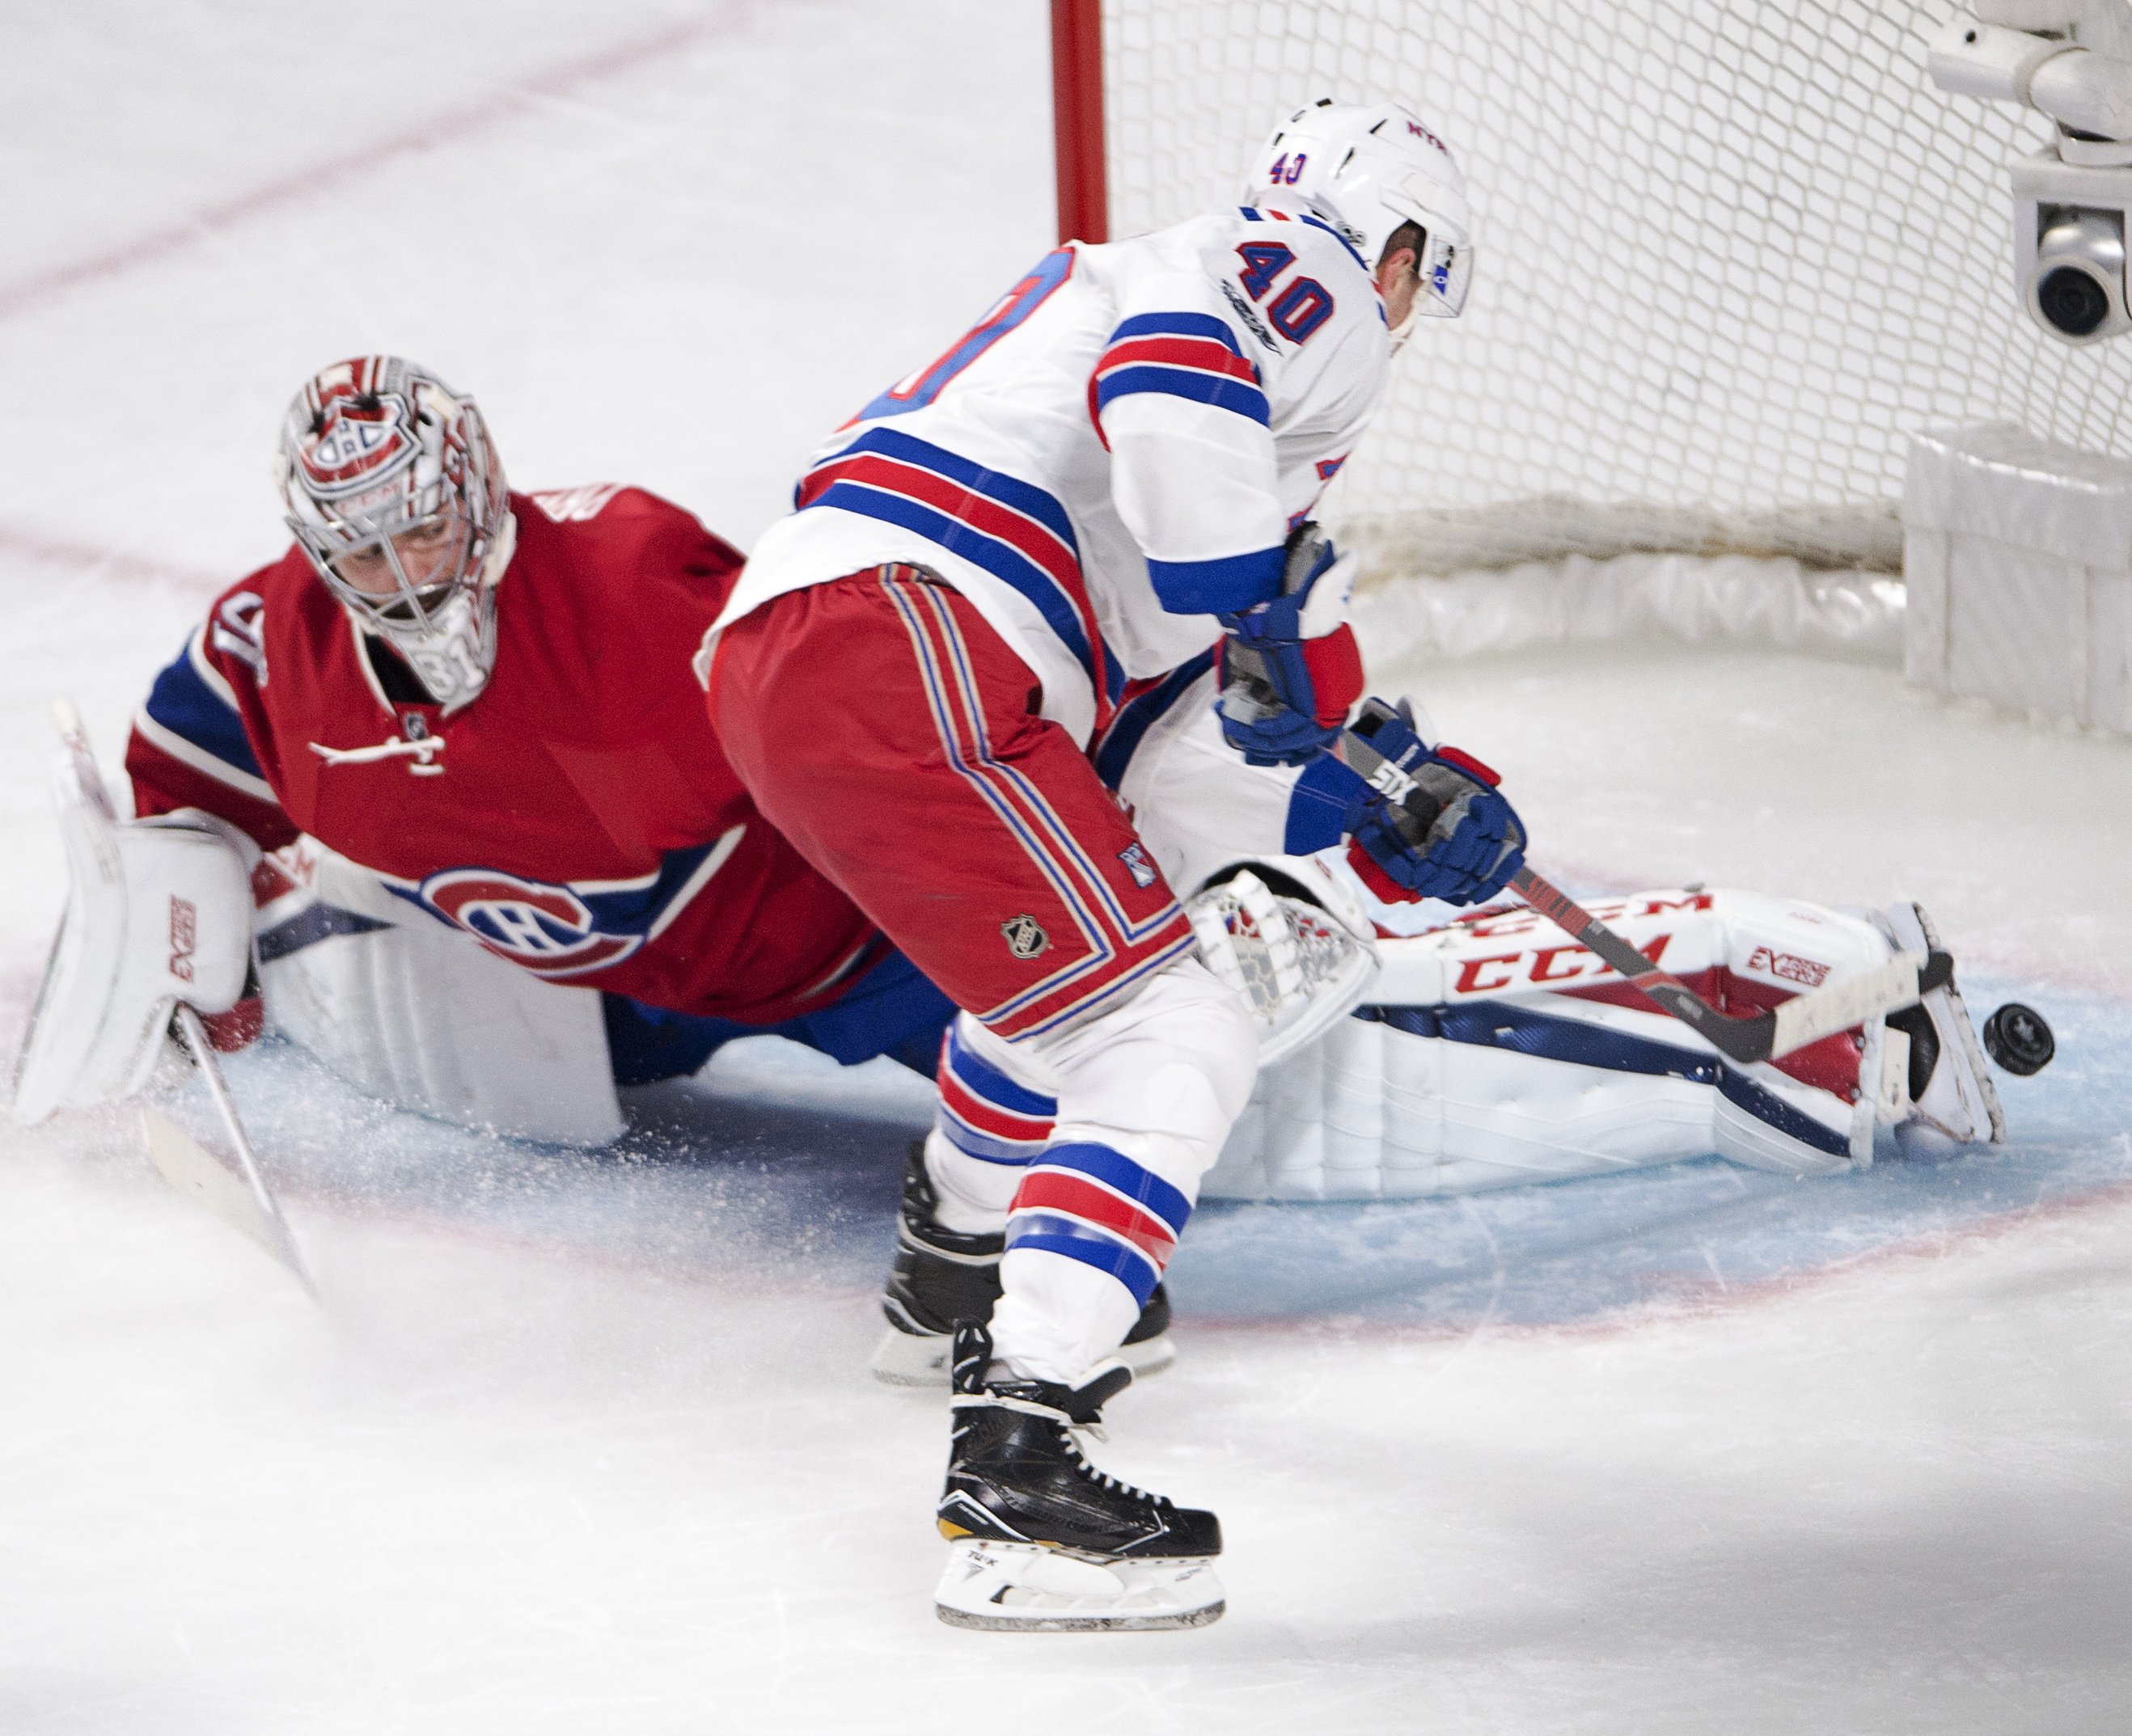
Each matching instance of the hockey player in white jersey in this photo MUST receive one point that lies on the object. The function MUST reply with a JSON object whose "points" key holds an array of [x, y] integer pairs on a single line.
{"points": [[1111, 473]]}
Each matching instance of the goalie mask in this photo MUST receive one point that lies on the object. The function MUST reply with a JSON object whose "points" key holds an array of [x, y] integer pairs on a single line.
{"points": [[396, 493], [1366, 171]]}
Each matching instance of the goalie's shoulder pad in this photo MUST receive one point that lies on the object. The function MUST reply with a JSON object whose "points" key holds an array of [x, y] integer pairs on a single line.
{"points": [[158, 911]]}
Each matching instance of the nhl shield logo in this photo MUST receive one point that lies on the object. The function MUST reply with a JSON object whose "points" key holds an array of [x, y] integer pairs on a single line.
{"points": [[1024, 936]]}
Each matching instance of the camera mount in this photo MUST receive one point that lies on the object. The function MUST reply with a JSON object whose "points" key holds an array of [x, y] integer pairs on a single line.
{"points": [[2070, 61]]}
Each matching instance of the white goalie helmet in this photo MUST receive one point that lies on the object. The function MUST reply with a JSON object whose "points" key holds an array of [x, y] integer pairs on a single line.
{"points": [[375, 449], [1366, 171]]}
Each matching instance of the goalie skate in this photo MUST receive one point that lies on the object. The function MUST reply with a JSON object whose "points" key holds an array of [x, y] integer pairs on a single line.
{"points": [[942, 1275], [1042, 1541], [1952, 1098]]}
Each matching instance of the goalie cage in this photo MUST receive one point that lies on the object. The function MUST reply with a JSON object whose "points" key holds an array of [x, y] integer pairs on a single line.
{"points": [[1731, 255]]}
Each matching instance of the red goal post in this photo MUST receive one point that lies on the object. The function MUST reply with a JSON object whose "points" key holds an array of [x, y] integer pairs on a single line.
{"points": [[1731, 255]]}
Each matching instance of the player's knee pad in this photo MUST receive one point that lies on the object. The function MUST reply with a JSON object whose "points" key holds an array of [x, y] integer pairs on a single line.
{"points": [[1162, 1077], [1145, 1093]]}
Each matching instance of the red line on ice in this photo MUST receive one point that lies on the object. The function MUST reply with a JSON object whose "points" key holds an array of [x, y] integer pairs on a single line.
{"points": [[63, 552], [1685, 1298], [314, 178]]}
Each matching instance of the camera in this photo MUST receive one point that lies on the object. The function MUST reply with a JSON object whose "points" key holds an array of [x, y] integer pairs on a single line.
{"points": [[2070, 223], [2073, 200]]}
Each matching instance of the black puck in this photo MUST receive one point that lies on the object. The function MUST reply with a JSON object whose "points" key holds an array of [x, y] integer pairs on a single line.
{"points": [[2018, 1040]]}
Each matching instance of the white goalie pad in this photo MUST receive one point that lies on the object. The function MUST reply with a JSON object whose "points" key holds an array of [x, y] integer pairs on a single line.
{"points": [[1301, 965], [1497, 1051], [158, 911], [422, 1016]]}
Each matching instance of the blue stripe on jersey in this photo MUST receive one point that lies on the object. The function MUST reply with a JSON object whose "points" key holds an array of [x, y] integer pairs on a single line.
{"points": [[1000, 559], [1177, 324], [1045, 1232], [1025, 497], [1228, 585], [1122, 740], [995, 557], [182, 703], [1217, 389], [634, 908]]}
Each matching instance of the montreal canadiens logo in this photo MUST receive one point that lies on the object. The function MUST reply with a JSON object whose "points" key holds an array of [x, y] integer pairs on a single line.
{"points": [[355, 445], [548, 929]]}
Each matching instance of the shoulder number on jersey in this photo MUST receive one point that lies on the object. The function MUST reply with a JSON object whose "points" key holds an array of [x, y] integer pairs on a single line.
{"points": [[916, 391], [574, 506], [1299, 310], [239, 629]]}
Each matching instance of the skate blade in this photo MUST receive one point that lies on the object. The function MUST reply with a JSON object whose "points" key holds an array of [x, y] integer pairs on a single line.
{"points": [[1020, 1588], [904, 1359]]}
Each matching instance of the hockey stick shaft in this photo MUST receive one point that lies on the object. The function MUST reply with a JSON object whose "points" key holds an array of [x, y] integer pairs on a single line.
{"points": [[1743, 1037], [192, 1035]]}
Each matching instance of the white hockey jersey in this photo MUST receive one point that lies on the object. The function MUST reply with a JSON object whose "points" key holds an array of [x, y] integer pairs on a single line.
{"points": [[1115, 453]]}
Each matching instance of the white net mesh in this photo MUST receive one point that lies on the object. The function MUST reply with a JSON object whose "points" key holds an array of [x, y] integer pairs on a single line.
{"points": [[1732, 254]]}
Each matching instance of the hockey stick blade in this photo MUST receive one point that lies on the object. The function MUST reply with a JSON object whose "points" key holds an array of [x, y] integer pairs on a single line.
{"points": [[1743, 1037]]}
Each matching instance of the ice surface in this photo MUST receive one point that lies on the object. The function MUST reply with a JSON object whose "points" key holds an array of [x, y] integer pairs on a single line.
{"points": [[584, 1442]]}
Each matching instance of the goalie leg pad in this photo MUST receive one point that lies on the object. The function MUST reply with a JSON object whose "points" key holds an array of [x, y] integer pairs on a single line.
{"points": [[1497, 1051], [420, 1015]]}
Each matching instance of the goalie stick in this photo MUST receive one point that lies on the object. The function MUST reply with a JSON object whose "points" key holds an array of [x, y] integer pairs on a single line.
{"points": [[1745, 1037], [117, 1053], [193, 1170]]}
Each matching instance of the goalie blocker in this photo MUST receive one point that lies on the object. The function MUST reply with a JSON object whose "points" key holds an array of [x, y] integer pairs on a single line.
{"points": [[158, 912]]}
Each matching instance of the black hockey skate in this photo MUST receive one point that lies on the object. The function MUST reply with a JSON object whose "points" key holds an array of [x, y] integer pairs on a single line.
{"points": [[1042, 1540], [942, 1275]]}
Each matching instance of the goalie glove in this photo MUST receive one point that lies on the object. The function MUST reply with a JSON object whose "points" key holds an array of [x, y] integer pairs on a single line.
{"points": [[1290, 667], [1302, 964], [1448, 833]]}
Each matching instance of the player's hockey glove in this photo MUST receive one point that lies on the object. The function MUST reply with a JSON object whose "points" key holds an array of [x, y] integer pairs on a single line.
{"points": [[1290, 667], [1448, 834]]}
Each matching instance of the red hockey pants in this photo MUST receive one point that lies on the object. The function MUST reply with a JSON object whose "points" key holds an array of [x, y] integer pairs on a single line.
{"points": [[891, 735]]}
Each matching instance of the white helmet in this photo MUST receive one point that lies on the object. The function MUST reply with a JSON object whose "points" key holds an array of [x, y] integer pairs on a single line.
{"points": [[375, 447], [1366, 171]]}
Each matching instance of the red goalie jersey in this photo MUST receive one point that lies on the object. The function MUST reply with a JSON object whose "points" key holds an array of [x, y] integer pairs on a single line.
{"points": [[576, 816]]}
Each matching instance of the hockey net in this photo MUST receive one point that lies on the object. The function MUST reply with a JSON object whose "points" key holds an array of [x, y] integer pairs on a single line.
{"points": [[1732, 254]]}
